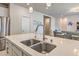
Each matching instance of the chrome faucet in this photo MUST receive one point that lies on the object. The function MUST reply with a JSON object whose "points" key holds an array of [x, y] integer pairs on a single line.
{"points": [[37, 30]]}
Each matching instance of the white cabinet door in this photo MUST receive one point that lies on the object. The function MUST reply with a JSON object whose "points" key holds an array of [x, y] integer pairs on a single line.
{"points": [[12, 50], [16, 51], [25, 24], [9, 48], [25, 54]]}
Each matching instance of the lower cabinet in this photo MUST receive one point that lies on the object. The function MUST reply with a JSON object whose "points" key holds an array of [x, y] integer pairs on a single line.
{"points": [[25, 54], [12, 50], [8, 48]]}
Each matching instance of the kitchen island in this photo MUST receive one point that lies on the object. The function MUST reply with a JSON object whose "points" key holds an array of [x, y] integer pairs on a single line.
{"points": [[64, 47]]}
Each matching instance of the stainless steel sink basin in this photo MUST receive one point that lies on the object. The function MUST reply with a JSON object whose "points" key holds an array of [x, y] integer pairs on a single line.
{"points": [[30, 42], [44, 47]]}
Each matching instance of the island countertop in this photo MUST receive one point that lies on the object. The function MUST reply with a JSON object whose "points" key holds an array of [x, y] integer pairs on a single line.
{"points": [[64, 47]]}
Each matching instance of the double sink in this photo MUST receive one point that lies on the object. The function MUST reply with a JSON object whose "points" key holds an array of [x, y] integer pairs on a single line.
{"points": [[39, 46]]}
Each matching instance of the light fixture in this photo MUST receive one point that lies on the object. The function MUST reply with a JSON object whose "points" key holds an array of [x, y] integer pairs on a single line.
{"points": [[48, 4], [30, 9], [28, 3]]}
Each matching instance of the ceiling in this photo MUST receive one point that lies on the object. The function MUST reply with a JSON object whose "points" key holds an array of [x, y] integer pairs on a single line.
{"points": [[56, 10]]}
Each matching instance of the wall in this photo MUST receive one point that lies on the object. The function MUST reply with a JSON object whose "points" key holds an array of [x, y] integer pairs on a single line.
{"points": [[3, 11], [57, 24], [73, 20], [63, 23], [16, 14], [39, 17]]}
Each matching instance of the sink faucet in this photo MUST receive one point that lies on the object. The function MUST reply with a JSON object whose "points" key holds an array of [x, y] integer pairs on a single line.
{"points": [[37, 30]]}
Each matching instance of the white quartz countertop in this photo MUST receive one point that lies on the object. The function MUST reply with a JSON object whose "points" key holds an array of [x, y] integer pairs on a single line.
{"points": [[64, 47]]}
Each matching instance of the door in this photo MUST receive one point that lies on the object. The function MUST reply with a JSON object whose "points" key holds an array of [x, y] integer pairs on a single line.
{"points": [[47, 25], [25, 24]]}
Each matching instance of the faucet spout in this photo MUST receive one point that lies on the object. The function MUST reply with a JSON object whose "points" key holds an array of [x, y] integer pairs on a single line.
{"points": [[43, 31]]}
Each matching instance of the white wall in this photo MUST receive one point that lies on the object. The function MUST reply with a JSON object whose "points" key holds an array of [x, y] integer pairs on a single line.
{"points": [[73, 20], [65, 21], [57, 24], [16, 14], [3, 11]]}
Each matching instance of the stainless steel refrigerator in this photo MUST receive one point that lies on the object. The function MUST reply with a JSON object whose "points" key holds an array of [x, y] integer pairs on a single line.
{"points": [[4, 31]]}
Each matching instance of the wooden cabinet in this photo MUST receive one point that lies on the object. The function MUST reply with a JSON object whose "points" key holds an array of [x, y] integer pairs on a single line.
{"points": [[13, 50]]}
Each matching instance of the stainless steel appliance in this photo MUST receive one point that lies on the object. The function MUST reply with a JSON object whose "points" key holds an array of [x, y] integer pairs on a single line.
{"points": [[2, 43], [4, 31]]}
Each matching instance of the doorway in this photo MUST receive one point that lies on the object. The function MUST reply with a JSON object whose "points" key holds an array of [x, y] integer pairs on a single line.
{"points": [[47, 25]]}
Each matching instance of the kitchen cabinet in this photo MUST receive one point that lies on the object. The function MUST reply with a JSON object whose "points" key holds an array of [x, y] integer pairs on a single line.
{"points": [[25, 54], [8, 48], [13, 50]]}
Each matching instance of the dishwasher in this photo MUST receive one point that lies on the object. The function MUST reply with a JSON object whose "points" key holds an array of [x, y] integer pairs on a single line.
{"points": [[2, 43]]}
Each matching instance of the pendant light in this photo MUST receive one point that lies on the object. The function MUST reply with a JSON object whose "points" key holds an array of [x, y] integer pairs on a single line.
{"points": [[28, 3], [30, 9], [48, 4]]}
